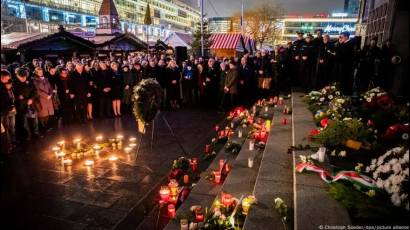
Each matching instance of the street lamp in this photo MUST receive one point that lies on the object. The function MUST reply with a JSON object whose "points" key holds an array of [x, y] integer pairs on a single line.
{"points": [[242, 19]]}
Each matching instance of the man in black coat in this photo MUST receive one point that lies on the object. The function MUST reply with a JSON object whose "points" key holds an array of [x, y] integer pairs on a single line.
{"points": [[326, 57], [25, 94], [246, 81], [307, 63], [296, 63], [211, 83], [371, 56], [80, 91], [344, 63]]}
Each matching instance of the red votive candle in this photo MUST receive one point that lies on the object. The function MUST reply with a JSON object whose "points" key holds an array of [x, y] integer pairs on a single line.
{"points": [[164, 193], [217, 177], [194, 164], [186, 179], [221, 164], [227, 199], [171, 211], [199, 216], [284, 121]]}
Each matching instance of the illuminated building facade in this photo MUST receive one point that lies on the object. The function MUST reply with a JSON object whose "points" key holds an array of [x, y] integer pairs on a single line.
{"points": [[46, 15], [332, 25]]}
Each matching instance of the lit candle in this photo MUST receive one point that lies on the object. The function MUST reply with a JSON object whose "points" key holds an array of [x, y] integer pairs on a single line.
{"points": [[232, 125], [99, 138], [60, 153], [88, 162], [267, 124], [266, 108], [164, 193], [119, 139], [227, 199], [246, 204], [56, 149], [132, 139], [284, 121], [281, 102], [199, 216], [113, 158], [253, 109], [186, 179], [67, 161], [171, 211], [263, 135], [97, 149], [217, 175], [173, 199], [221, 164], [173, 187], [77, 143], [240, 133], [127, 149], [250, 162], [184, 224], [216, 128], [61, 144], [227, 167], [194, 164], [132, 145], [251, 145]]}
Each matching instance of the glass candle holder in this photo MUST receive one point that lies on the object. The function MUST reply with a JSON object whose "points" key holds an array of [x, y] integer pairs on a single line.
{"points": [[171, 211], [173, 187], [250, 162], [251, 145], [322, 153], [217, 176], [164, 193]]}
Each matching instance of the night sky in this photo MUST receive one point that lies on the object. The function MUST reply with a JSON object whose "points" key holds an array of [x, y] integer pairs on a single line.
{"points": [[228, 7]]}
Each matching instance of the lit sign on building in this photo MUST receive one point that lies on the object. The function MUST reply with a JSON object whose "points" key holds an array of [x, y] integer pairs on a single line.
{"points": [[339, 14], [338, 29]]}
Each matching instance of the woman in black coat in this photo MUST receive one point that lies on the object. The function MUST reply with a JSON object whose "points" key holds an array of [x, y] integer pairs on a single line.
{"points": [[116, 88], [173, 79]]}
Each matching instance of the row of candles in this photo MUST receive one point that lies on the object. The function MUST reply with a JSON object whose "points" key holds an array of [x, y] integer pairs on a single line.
{"points": [[227, 199], [60, 149]]}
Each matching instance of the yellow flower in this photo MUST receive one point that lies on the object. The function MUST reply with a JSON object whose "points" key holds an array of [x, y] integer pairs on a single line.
{"points": [[358, 167], [371, 193]]}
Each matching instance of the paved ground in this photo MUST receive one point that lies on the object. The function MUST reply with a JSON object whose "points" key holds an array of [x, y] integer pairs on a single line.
{"points": [[37, 193]]}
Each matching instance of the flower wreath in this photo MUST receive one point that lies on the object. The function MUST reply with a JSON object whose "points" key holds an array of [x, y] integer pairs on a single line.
{"points": [[147, 99]]}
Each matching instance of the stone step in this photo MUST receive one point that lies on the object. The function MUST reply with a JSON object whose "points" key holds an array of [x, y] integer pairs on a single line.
{"points": [[238, 182], [274, 178], [314, 208]]}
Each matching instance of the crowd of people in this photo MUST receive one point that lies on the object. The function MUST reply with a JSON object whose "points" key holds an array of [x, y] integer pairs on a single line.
{"points": [[37, 96]]}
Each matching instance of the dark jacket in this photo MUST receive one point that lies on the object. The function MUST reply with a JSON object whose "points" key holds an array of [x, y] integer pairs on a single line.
{"points": [[231, 81], [23, 91], [79, 85]]}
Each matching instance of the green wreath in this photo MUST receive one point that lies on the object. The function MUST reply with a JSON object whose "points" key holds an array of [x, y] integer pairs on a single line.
{"points": [[147, 99]]}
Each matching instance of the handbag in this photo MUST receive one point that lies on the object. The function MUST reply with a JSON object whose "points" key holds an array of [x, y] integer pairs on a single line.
{"points": [[264, 82]]}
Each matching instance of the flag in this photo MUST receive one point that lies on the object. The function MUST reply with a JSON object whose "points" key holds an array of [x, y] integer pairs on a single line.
{"points": [[147, 19]]}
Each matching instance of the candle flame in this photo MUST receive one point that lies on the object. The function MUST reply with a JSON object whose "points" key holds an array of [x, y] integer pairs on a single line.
{"points": [[113, 158], [88, 162]]}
